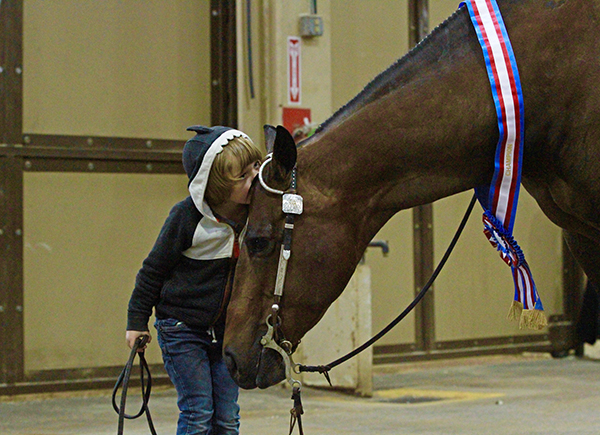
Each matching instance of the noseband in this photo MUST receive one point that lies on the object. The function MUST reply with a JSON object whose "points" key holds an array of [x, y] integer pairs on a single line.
{"points": [[291, 206]]}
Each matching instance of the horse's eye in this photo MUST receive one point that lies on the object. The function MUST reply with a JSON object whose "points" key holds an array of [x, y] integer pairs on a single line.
{"points": [[259, 245]]}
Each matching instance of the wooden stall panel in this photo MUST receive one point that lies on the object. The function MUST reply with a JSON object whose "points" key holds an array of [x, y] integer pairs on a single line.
{"points": [[115, 68], [474, 291], [85, 237]]}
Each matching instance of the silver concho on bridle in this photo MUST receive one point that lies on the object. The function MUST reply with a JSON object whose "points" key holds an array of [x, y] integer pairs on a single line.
{"points": [[292, 205]]}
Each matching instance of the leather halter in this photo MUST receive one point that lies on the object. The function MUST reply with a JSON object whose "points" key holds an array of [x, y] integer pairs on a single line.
{"points": [[292, 206]]}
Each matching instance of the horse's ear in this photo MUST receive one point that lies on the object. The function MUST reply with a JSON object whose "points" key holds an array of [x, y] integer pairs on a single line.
{"points": [[284, 149], [270, 133]]}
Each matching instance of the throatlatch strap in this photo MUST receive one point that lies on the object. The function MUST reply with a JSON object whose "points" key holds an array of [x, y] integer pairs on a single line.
{"points": [[500, 199]]}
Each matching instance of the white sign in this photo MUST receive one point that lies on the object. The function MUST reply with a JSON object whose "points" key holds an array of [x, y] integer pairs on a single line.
{"points": [[293, 50]]}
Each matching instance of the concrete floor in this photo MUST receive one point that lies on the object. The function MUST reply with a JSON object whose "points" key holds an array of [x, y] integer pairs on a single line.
{"points": [[528, 394]]}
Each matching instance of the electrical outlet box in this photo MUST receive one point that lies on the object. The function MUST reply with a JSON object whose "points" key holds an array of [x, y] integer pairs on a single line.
{"points": [[311, 25]]}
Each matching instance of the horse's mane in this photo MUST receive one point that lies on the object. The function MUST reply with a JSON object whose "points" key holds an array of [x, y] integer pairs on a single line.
{"points": [[387, 81]]}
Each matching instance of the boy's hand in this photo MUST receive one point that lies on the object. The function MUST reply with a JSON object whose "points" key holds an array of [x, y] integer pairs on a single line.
{"points": [[132, 336]]}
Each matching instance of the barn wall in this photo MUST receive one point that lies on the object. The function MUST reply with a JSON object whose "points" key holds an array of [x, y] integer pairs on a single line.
{"points": [[114, 68], [86, 237], [91, 165], [97, 96]]}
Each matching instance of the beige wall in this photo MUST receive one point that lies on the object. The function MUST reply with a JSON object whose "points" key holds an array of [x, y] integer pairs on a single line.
{"points": [[252, 109], [137, 68], [108, 68], [85, 237], [440, 10], [273, 21], [367, 37]]}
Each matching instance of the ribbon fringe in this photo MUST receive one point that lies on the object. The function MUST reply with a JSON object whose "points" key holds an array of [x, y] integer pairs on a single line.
{"points": [[531, 319], [515, 311]]}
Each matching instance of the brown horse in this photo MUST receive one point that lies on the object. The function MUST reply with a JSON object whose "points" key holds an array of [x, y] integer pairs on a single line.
{"points": [[424, 129]]}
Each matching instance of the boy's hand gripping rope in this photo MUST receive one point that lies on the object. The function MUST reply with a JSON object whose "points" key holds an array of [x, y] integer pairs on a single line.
{"points": [[124, 380]]}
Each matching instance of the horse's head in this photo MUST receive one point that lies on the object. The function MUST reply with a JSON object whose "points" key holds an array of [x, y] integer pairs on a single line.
{"points": [[314, 278]]}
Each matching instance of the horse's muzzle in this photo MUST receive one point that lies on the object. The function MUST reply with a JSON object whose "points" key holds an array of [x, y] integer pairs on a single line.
{"points": [[271, 369], [262, 371]]}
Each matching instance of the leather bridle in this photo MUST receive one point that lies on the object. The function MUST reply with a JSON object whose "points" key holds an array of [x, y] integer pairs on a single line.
{"points": [[292, 205]]}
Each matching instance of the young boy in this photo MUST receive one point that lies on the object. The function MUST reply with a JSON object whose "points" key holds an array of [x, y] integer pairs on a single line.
{"points": [[187, 278]]}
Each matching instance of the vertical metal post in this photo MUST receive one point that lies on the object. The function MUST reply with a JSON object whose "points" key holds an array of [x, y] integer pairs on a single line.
{"points": [[12, 359], [423, 268], [418, 15], [11, 71], [11, 193], [422, 215], [223, 61]]}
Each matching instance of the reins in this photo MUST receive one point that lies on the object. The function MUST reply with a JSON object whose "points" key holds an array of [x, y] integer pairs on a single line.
{"points": [[124, 380], [324, 369], [273, 339]]}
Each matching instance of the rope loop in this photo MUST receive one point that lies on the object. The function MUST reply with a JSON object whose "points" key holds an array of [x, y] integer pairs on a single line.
{"points": [[146, 387]]}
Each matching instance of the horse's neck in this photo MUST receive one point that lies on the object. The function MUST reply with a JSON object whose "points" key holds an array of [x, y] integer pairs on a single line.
{"points": [[405, 166], [427, 139], [426, 128]]}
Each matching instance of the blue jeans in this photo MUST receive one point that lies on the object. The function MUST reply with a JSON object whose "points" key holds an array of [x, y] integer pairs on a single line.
{"points": [[207, 395]]}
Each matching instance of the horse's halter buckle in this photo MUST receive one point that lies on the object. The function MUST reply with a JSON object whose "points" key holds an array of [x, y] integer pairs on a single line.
{"points": [[292, 205]]}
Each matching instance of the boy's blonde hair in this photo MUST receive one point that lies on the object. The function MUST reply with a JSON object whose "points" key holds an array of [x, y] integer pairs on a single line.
{"points": [[227, 166]]}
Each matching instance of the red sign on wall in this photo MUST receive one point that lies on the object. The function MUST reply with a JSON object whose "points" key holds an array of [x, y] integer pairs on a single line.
{"points": [[294, 89], [295, 118]]}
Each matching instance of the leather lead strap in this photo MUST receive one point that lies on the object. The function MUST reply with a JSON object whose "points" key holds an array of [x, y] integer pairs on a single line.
{"points": [[124, 380], [297, 411]]}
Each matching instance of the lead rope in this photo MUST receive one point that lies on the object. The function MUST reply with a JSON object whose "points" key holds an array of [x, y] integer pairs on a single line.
{"points": [[297, 411], [292, 205], [324, 369], [124, 380]]}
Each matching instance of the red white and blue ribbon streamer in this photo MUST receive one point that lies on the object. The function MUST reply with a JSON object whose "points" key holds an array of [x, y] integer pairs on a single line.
{"points": [[500, 199]]}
